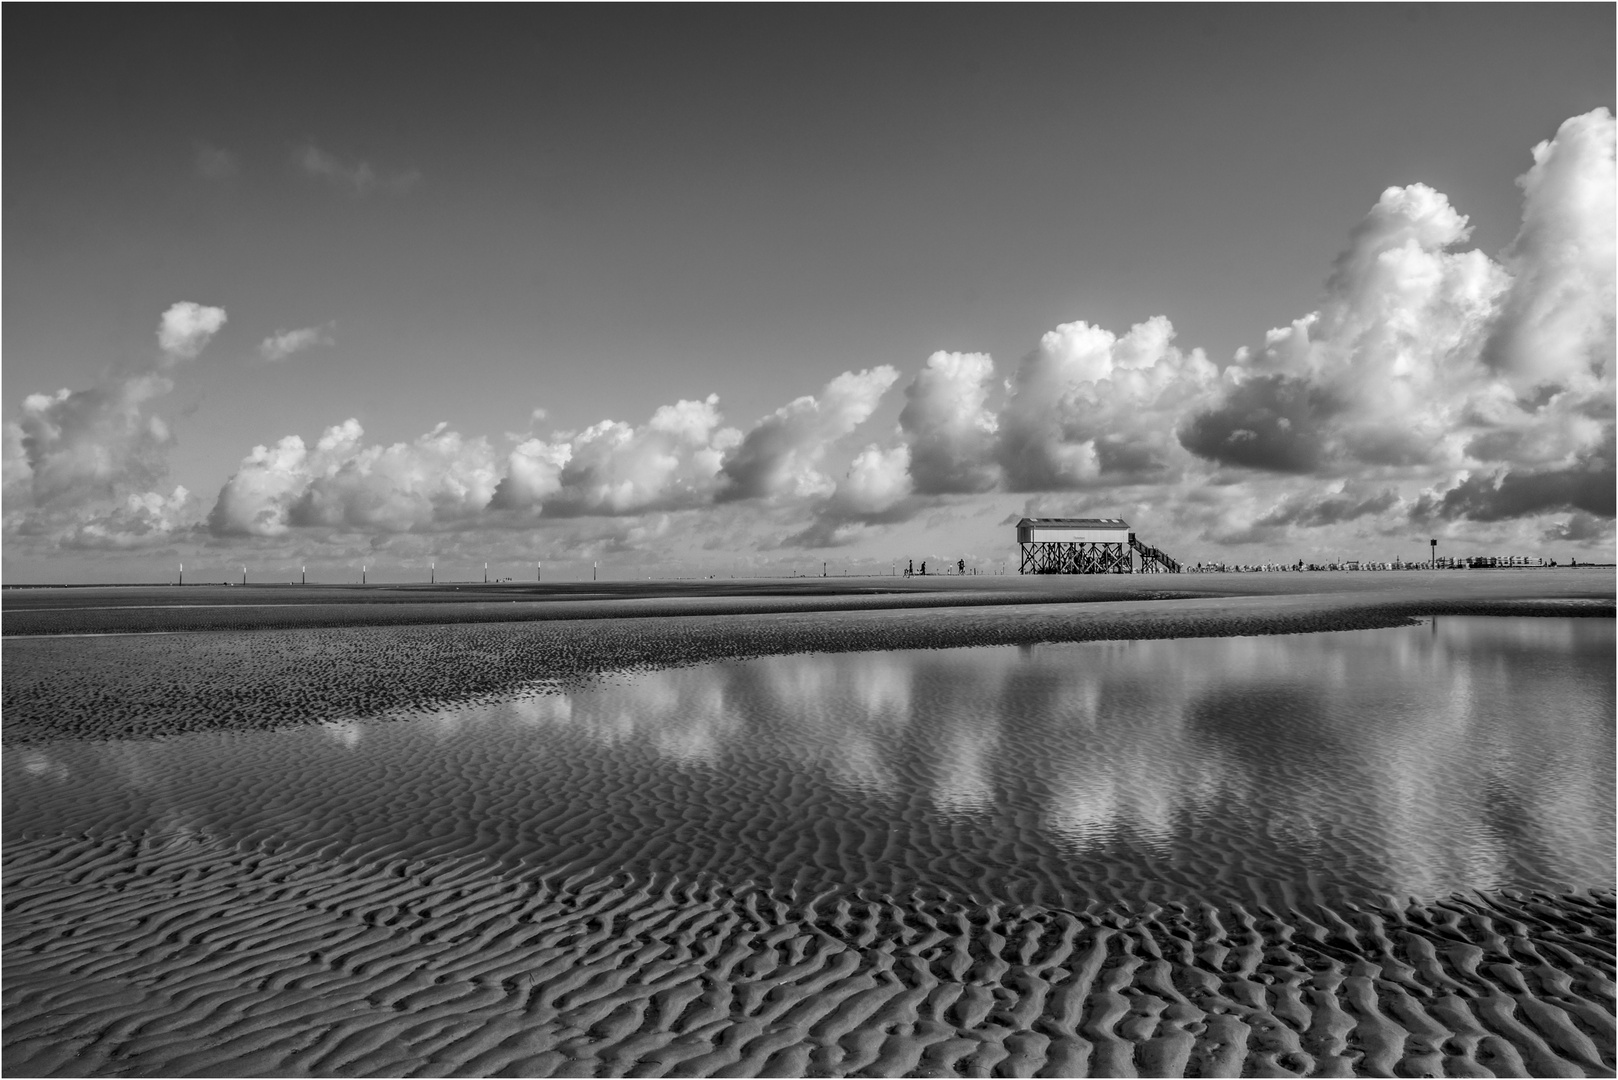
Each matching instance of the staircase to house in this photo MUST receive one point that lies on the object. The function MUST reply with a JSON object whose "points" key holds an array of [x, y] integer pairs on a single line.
{"points": [[1153, 560]]}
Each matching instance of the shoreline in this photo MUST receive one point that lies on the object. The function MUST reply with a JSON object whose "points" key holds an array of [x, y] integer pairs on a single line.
{"points": [[133, 610], [147, 685]]}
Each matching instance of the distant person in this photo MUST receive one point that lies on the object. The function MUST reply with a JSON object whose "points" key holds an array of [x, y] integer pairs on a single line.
{"points": [[960, 567], [923, 569]]}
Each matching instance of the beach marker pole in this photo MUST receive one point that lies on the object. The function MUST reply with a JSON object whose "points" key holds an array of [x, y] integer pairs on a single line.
{"points": [[485, 573], [182, 573], [244, 575], [539, 571], [432, 573], [306, 575], [593, 568], [362, 573]]}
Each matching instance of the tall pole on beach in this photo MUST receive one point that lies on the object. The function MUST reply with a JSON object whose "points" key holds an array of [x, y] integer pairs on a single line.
{"points": [[305, 575], [182, 573], [485, 573], [244, 575], [362, 573], [593, 568], [432, 573], [539, 571]]}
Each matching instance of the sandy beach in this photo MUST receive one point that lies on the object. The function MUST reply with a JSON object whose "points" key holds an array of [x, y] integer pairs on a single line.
{"points": [[485, 832]]}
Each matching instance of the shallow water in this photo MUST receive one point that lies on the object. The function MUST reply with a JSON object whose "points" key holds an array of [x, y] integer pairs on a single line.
{"points": [[1463, 754]]}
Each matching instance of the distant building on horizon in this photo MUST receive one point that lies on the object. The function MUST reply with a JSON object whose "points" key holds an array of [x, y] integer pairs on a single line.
{"points": [[1086, 546]]}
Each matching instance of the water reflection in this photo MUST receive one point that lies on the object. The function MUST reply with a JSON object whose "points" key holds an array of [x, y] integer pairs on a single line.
{"points": [[1471, 753]]}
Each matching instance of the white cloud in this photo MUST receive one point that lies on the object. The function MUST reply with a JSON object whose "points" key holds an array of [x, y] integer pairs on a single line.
{"points": [[187, 328], [1380, 374], [437, 479], [74, 447], [948, 425], [359, 177], [780, 456], [143, 520], [877, 480], [284, 343], [1485, 387], [1433, 385], [671, 462], [1556, 325], [1090, 408]]}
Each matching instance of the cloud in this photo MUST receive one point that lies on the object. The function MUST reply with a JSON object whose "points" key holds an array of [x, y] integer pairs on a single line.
{"points": [[358, 178], [1376, 377], [1587, 485], [1424, 362], [186, 328], [214, 163], [143, 520], [876, 490], [1431, 384], [437, 479], [1556, 324], [948, 426], [78, 446], [781, 454], [1580, 527], [1090, 408], [671, 462], [1313, 511], [284, 343]]}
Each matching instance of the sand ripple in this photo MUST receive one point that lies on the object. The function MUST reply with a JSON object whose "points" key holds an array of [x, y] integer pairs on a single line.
{"points": [[187, 956]]}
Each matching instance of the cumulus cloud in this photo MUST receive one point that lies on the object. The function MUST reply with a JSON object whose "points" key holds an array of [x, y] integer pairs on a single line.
{"points": [[1377, 376], [81, 466], [781, 455], [875, 490], [342, 484], [671, 462], [359, 178], [142, 520], [877, 480], [1556, 325], [285, 343], [1088, 407], [187, 328], [78, 446], [948, 425], [1426, 363], [1433, 384]]}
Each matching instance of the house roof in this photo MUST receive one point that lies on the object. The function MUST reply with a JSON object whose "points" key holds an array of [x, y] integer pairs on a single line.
{"points": [[1074, 523]]}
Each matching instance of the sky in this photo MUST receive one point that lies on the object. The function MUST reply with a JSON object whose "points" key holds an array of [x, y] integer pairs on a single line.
{"points": [[757, 290]]}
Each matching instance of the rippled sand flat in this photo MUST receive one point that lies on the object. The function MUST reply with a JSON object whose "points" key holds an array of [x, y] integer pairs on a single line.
{"points": [[190, 957], [1377, 852]]}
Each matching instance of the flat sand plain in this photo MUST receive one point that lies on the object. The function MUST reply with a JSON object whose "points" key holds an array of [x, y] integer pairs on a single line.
{"points": [[183, 953]]}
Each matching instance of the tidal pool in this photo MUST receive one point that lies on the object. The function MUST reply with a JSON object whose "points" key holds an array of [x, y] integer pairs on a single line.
{"points": [[1461, 754]]}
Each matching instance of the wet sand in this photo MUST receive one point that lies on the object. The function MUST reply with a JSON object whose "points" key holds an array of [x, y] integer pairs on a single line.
{"points": [[191, 958], [134, 609], [185, 951], [262, 667]]}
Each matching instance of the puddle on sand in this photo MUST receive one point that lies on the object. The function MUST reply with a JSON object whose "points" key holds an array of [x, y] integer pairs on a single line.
{"points": [[1465, 753]]}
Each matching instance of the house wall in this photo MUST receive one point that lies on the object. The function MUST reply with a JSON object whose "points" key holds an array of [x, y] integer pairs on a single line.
{"points": [[1046, 535]]}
